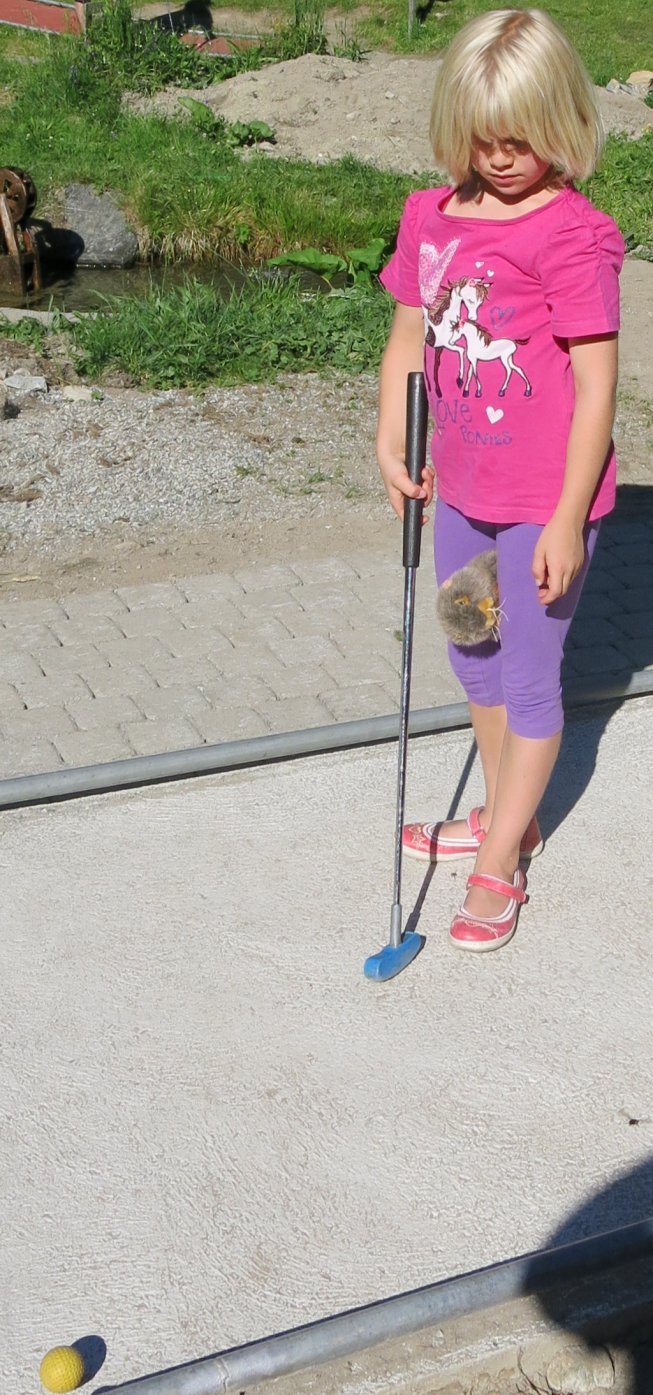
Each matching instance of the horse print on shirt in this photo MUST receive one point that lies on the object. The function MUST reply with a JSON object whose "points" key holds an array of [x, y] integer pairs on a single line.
{"points": [[482, 348], [445, 327]]}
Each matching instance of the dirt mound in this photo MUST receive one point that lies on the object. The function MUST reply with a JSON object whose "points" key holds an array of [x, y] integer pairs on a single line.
{"points": [[322, 108]]}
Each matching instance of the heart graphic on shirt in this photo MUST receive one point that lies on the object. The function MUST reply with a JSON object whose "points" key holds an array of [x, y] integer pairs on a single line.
{"points": [[431, 268], [501, 314], [477, 264], [490, 273], [494, 414]]}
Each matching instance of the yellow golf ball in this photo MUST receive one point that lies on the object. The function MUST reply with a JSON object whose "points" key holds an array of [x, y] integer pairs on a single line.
{"points": [[62, 1369]]}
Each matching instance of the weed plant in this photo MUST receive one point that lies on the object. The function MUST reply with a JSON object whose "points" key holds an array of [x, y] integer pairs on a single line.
{"points": [[303, 32], [189, 336]]}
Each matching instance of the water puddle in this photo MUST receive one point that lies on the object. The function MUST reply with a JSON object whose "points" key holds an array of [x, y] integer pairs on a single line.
{"points": [[77, 289]]}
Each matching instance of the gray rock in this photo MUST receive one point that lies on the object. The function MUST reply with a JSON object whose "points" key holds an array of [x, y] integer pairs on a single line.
{"points": [[96, 219], [577, 1371], [623, 114], [3, 401], [26, 383], [640, 83], [75, 393]]}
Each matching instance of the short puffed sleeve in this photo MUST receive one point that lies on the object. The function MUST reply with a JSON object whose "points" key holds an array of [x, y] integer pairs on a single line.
{"points": [[579, 268], [400, 275]]}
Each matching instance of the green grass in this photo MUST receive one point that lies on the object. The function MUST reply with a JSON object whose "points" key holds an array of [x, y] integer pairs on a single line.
{"points": [[612, 41], [622, 187], [189, 336]]}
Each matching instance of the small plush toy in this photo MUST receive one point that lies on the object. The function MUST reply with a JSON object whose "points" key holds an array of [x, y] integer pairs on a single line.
{"points": [[468, 602]]}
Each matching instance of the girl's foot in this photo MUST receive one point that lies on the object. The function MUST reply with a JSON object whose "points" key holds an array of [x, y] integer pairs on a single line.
{"points": [[446, 842], [482, 931]]}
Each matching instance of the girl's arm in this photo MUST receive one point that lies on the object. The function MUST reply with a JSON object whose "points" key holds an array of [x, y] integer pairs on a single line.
{"points": [[403, 354], [560, 551]]}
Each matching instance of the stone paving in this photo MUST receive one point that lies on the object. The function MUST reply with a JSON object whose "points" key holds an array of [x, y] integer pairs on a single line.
{"points": [[207, 659]]}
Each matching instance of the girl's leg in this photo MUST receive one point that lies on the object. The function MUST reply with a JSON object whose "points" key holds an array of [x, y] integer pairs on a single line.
{"points": [[532, 646], [489, 724], [457, 540]]}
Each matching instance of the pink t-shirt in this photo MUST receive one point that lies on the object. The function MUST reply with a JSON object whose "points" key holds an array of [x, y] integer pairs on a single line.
{"points": [[500, 301]]}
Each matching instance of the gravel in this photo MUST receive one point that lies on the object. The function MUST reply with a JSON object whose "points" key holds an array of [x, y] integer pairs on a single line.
{"points": [[292, 449]]}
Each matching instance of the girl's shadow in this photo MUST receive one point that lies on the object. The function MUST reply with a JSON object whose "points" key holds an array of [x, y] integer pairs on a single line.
{"points": [[611, 638]]}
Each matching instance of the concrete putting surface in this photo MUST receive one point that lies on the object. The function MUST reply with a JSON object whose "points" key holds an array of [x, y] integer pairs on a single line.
{"points": [[215, 1128]]}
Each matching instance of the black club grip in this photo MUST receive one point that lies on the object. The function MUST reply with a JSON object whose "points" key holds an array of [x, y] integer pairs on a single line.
{"points": [[417, 413]]}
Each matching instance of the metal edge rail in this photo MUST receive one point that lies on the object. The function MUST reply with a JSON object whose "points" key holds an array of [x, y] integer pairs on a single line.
{"points": [[402, 1315], [262, 750]]}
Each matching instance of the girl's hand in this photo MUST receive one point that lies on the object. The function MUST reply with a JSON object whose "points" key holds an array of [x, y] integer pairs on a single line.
{"points": [[558, 558], [399, 486]]}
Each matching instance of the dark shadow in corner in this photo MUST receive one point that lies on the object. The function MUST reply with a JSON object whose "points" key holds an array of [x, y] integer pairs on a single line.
{"points": [[624, 1202], [195, 14]]}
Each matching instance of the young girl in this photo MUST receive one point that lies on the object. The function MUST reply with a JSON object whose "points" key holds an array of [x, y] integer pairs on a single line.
{"points": [[506, 284]]}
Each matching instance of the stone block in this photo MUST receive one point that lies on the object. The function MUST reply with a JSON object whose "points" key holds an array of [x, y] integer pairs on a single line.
{"points": [[152, 738], [168, 671], [169, 704], [363, 700], [216, 724], [93, 747], [130, 680], [156, 621], [213, 589], [91, 713], [70, 658], [360, 668], [245, 691], [296, 714], [107, 603], [325, 571], [208, 614], [603, 659], [274, 578], [90, 629], [10, 699], [15, 614], [53, 691], [45, 722], [25, 636], [303, 651], [19, 668], [158, 593], [33, 756]]}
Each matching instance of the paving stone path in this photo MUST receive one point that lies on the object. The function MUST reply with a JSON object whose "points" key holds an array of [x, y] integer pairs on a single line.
{"points": [[206, 659]]}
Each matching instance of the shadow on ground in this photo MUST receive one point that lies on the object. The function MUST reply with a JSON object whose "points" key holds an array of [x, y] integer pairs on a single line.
{"points": [[624, 1202]]}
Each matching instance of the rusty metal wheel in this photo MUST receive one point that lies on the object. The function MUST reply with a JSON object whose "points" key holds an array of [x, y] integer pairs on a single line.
{"points": [[19, 190]]}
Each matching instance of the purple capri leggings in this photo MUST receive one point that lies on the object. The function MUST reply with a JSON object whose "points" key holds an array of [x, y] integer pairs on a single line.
{"points": [[523, 672]]}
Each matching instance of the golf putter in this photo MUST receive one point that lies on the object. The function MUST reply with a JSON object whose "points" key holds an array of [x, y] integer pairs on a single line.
{"points": [[402, 948]]}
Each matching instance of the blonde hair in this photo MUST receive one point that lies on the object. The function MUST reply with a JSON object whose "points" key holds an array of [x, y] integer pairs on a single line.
{"points": [[514, 74]]}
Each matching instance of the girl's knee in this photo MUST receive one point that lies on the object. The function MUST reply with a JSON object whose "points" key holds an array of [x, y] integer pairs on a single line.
{"points": [[478, 671], [533, 713]]}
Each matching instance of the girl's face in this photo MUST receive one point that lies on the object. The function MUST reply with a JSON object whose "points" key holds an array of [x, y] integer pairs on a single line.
{"points": [[509, 167]]}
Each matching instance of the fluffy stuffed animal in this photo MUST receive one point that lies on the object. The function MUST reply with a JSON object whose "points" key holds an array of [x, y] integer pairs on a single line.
{"points": [[468, 602]]}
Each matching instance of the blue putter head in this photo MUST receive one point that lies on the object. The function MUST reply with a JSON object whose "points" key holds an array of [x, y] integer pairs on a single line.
{"points": [[393, 958]]}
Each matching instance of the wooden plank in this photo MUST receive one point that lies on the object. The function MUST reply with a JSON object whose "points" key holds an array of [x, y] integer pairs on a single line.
{"points": [[53, 18]]}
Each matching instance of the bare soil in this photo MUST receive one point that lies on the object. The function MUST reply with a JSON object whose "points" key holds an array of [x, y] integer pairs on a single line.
{"points": [[323, 108]]}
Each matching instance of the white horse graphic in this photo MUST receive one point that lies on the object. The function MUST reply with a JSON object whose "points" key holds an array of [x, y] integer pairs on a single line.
{"points": [[443, 313], [482, 348]]}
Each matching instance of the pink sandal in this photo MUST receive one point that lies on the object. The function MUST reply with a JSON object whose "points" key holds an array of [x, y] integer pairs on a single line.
{"points": [[481, 933], [425, 842]]}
